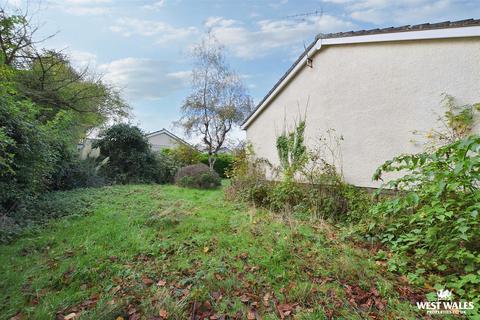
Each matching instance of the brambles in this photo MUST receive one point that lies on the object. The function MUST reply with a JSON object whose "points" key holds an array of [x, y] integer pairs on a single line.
{"points": [[435, 218]]}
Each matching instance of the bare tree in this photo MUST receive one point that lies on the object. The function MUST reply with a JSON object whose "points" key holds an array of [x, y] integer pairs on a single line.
{"points": [[218, 101], [17, 33]]}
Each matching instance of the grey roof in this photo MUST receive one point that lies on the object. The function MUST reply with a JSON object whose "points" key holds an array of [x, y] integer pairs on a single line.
{"points": [[406, 28]]}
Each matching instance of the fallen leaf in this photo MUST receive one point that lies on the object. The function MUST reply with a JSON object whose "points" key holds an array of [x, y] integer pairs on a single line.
{"points": [[381, 263], [18, 316], [286, 309], [67, 274], [266, 299], [115, 289], [217, 295], [135, 316], [70, 316], [161, 283], [207, 305], [163, 313], [147, 281]]}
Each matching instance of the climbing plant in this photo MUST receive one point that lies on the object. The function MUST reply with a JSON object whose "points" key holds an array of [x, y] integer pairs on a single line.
{"points": [[291, 149], [456, 123]]}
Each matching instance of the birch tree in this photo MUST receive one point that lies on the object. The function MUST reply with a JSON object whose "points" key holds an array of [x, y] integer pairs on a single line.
{"points": [[218, 100]]}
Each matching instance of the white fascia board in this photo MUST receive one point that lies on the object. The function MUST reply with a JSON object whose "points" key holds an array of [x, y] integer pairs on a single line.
{"points": [[292, 73], [408, 35], [447, 33], [153, 134], [166, 132]]}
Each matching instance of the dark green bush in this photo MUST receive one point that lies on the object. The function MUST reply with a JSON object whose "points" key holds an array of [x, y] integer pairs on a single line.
{"points": [[130, 158], [76, 173], [26, 151], [197, 176], [222, 165]]}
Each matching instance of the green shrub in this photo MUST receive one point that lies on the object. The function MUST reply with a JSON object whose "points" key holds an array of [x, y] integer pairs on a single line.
{"points": [[130, 159], [435, 219], [247, 178], [183, 155], [26, 151], [76, 173], [197, 176], [222, 165], [167, 167], [322, 195]]}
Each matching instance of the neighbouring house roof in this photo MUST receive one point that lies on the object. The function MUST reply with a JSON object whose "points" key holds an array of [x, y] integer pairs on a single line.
{"points": [[168, 133], [441, 30]]}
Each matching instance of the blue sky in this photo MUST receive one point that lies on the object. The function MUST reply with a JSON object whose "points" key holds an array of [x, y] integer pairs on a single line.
{"points": [[142, 46]]}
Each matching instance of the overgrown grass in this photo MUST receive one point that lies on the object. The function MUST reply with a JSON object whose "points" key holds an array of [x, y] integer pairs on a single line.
{"points": [[149, 251]]}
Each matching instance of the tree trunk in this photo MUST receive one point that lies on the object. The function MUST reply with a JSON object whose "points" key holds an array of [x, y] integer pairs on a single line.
{"points": [[211, 160]]}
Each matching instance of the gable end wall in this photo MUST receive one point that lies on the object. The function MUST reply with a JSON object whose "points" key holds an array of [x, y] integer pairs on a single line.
{"points": [[374, 95]]}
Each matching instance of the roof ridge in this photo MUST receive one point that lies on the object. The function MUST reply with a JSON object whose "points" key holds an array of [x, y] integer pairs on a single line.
{"points": [[405, 28]]}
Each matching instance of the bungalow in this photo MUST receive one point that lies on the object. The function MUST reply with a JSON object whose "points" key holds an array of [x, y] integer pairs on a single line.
{"points": [[163, 139], [373, 87]]}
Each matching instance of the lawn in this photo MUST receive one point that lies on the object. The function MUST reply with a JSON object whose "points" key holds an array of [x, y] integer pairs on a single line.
{"points": [[158, 252]]}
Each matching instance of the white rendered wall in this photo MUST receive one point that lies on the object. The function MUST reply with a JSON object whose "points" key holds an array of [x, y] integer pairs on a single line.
{"points": [[374, 95], [162, 141]]}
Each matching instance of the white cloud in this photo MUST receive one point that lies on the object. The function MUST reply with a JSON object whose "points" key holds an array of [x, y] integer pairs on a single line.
{"points": [[84, 11], [84, 7], [14, 3], [182, 75], [277, 4], [161, 31], [271, 34], [218, 22], [155, 5], [408, 11], [86, 2], [143, 78], [82, 59]]}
